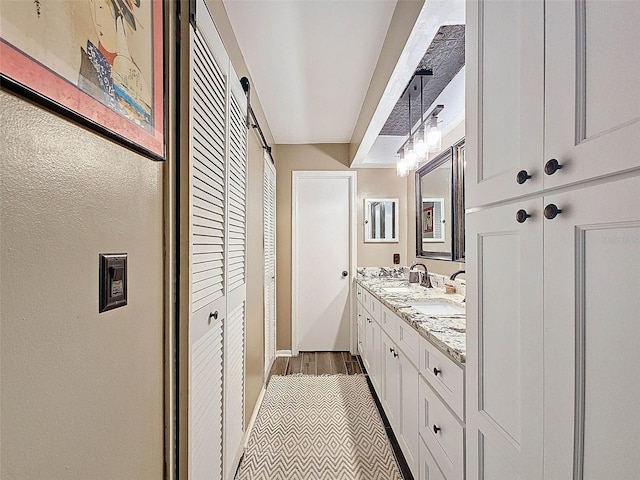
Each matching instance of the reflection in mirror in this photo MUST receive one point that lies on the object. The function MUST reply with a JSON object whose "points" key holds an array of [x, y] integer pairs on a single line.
{"points": [[440, 206], [381, 220]]}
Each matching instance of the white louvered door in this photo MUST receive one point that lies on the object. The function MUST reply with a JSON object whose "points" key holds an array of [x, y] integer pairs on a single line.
{"points": [[269, 264], [236, 276], [217, 256], [206, 251]]}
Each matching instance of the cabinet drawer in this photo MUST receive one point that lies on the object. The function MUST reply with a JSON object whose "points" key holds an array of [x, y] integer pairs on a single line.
{"points": [[388, 321], [444, 375], [429, 469], [441, 432], [408, 340], [361, 337]]}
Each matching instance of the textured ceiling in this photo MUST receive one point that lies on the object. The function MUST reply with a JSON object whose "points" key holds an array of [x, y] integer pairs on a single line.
{"points": [[445, 57]]}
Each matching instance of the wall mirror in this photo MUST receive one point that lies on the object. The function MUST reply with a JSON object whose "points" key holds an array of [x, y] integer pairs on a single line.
{"points": [[440, 206], [381, 219]]}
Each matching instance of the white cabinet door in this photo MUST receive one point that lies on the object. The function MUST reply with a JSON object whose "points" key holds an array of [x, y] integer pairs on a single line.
{"points": [[376, 359], [504, 342], [504, 99], [391, 380], [369, 341], [592, 332], [592, 98], [408, 432]]}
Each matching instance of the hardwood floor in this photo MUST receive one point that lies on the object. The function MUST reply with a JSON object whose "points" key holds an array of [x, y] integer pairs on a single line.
{"points": [[317, 363]]}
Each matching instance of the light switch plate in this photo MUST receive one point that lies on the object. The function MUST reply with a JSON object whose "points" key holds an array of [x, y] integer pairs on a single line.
{"points": [[113, 281]]}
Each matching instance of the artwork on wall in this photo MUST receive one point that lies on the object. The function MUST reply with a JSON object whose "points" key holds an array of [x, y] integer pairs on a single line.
{"points": [[98, 62]]}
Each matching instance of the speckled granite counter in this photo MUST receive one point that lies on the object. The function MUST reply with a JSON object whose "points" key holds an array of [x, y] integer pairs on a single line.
{"points": [[447, 332]]}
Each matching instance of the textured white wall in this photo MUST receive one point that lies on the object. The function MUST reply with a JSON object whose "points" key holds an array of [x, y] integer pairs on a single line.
{"points": [[81, 392]]}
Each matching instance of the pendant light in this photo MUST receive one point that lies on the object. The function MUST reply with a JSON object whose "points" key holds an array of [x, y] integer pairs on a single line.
{"points": [[402, 169], [433, 134]]}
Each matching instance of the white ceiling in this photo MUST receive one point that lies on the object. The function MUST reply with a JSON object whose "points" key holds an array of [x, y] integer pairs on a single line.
{"points": [[311, 61]]}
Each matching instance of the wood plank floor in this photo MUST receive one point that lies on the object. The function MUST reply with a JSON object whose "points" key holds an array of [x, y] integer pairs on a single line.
{"points": [[317, 363]]}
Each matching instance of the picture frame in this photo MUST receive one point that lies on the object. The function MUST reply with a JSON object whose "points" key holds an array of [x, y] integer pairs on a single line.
{"points": [[100, 63]]}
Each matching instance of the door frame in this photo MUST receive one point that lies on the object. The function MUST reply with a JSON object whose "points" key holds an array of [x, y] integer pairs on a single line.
{"points": [[296, 176], [268, 164]]}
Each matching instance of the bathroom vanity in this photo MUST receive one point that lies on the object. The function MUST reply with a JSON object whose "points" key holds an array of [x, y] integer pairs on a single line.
{"points": [[412, 342]]}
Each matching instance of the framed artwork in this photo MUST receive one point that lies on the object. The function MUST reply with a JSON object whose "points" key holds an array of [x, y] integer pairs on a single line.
{"points": [[98, 62], [433, 220]]}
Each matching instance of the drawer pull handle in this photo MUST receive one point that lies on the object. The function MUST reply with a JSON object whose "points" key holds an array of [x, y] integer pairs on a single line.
{"points": [[551, 211], [522, 177], [522, 215], [436, 429], [552, 166], [436, 371]]}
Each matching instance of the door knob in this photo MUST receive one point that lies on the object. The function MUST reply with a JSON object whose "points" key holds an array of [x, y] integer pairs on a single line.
{"points": [[345, 273], [522, 215], [522, 176], [552, 166], [551, 211]]}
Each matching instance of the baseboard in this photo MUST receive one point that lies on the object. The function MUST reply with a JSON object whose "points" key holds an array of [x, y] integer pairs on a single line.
{"points": [[283, 353], [254, 415]]}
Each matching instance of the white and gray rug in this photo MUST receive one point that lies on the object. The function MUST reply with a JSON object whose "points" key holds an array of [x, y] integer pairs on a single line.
{"points": [[317, 428]]}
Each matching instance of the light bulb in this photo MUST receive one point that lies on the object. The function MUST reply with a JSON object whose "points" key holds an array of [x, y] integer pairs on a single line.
{"points": [[420, 145], [410, 156], [402, 169], [434, 136]]}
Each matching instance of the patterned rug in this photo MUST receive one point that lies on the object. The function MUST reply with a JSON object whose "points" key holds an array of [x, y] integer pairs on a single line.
{"points": [[318, 428]]}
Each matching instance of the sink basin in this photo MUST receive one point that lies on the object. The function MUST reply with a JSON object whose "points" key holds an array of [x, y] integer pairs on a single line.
{"points": [[401, 289], [438, 308]]}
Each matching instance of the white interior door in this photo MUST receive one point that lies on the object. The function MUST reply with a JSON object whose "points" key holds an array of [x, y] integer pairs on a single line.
{"points": [[322, 263], [235, 275], [269, 264], [207, 302]]}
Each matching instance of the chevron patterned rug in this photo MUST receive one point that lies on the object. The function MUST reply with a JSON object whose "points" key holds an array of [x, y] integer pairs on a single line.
{"points": [[318, 428]]}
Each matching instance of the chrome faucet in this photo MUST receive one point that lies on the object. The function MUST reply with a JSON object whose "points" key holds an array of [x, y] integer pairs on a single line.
{"points": [[453, 277], [426, 281]]}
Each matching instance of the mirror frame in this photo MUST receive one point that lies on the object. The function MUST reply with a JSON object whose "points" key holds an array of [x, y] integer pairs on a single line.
{"points": [[367, 218], [455, 155]]}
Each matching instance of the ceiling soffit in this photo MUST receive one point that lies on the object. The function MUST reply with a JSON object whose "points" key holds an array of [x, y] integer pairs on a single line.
{"points": [[445, 58]]}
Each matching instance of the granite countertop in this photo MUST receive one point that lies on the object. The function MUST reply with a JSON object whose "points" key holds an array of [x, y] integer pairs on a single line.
{"points": [[447, 332]]}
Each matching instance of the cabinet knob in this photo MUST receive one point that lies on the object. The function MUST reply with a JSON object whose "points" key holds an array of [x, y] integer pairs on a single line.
{"points": [[390, 349], [436, 371], [551, 211], [522, 215], [552, 166], [395, 354], [436, 429], [345, 273], [522, 176], [213, 315]]}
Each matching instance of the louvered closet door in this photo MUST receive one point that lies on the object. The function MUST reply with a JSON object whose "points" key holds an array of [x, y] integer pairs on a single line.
{"points": [[207, 320], [236, 276], [269, 263]]}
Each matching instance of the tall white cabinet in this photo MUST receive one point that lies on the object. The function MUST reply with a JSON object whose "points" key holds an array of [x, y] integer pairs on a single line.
{"points": [[553, 239]]}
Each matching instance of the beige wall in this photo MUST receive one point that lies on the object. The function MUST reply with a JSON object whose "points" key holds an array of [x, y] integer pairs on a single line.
{"points": [[437, 266], [382, 183], [82, 392], [370, 183], [288, 159], [255, 216]]}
